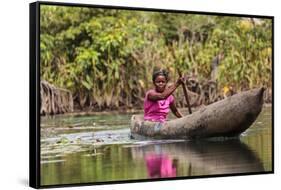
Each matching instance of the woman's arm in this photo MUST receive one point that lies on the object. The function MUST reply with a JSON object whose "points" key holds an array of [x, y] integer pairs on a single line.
{"points": [[155, 96], [175, 110]]}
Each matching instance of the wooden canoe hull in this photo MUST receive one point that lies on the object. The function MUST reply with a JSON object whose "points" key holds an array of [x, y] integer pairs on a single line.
{"points": [[225, 118]]}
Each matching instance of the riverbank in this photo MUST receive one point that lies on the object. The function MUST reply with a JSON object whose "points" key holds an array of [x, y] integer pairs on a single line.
{"points": [[128, 111]]}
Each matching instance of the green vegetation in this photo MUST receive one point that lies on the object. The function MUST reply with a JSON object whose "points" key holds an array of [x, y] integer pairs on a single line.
{"points": [[105, 57]]}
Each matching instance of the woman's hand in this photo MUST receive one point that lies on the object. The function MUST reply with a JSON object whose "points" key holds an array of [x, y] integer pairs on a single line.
{"points": [[175, 110], [181, 80]]}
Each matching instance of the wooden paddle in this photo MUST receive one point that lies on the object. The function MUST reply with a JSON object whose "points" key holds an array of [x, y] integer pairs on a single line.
{"points": [[183, 85], [185, 94]]}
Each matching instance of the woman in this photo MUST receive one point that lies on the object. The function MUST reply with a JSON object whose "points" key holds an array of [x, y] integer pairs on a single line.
{"points": [[158, 100]]}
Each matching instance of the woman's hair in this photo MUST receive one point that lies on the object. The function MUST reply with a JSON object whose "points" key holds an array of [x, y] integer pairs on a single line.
{"points": [[160, 72]]}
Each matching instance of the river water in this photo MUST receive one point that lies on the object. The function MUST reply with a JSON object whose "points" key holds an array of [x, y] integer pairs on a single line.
{"points": [[98, 148]]}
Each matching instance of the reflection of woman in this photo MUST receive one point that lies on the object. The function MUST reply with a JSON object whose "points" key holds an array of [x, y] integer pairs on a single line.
{"points": [[160, 166]]}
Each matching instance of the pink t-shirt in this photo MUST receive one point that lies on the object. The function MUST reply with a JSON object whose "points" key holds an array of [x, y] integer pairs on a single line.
{"points": [[157, 110]]}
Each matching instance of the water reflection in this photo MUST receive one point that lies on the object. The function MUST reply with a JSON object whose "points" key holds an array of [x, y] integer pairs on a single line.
{"points": [[104, 152], [198, 158], [160, 165]]}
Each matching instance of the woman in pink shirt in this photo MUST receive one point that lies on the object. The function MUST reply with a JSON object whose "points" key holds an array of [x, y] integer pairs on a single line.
{"points": [[158, 100]]}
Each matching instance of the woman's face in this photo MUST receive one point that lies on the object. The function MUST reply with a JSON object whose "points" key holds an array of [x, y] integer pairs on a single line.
{"points": [[160, 83]]}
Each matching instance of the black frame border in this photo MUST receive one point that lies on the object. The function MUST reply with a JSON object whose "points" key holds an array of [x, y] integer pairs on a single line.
{"points": [[34, 95], [34, 92]]}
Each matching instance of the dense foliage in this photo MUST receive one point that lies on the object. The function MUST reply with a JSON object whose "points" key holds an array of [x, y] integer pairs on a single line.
{"points": [[105, 57]]}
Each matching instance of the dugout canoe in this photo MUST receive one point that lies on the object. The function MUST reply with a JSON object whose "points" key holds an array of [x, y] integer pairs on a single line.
{"points": [[226, 118]]}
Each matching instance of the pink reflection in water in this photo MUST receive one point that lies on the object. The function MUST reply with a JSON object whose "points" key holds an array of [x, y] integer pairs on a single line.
{"points": [[159, 165]]}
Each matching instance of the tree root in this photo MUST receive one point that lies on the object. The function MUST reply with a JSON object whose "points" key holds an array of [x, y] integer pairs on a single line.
{"points": [[54, 100]]}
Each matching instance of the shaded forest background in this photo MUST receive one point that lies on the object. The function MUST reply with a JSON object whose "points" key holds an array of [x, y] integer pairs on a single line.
{"points": [[105, 58]]}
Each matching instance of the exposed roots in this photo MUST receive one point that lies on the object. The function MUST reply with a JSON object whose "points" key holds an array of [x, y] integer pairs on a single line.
{"points": [[54, 100]]}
